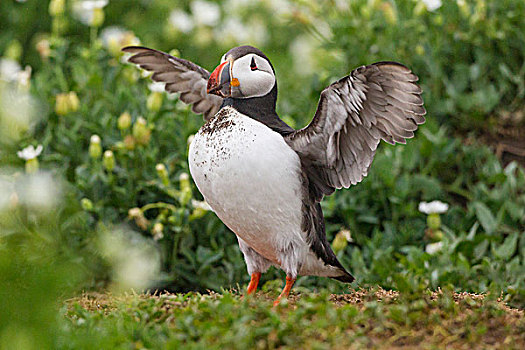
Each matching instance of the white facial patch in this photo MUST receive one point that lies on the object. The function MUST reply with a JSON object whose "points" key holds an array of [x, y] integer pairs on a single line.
{"points": [[254, 74]]}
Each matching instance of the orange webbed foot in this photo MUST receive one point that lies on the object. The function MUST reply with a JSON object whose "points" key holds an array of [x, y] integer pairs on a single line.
{"points": [[286, 290], [252, 287]]}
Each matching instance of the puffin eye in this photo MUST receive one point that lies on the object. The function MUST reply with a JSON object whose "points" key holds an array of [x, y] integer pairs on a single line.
{"points": [[253, 66]]}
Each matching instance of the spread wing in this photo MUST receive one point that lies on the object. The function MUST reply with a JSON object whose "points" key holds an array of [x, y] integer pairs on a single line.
{"points": [[377, 102], [180, 76]]}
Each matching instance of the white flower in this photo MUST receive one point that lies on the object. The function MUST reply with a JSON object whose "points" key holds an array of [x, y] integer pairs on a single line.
{"points": [[38, 190], [157, 231], [84, 10], [6, 191], [200, 204], [303, 50], [181, 20], [433, 248], [30, 152], [280, 7], [236, 8], [115, 37], [156, 87], [135, 261], [346, 235], [234, 31], [434, 207], [134, 212], [24, 77], [11, 72], [18, 111], [342, 5], [112, 33], [90, 5], [9, 69], [432, 5], [258, 32], [204, 12], [94, 139]]}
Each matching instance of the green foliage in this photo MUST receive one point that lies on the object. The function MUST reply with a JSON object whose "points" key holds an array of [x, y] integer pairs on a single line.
{"points": [[42, 262], [469, 55]]}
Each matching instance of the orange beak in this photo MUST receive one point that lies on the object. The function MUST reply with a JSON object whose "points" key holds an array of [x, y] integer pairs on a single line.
{"points": [[219, 81]]}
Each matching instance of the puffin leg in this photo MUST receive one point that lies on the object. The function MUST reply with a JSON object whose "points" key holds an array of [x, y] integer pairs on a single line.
{"points": [[252, 287], [286, 290]]}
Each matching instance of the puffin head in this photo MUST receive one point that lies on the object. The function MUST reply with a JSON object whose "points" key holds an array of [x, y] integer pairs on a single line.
{"points": [[244, 72]]}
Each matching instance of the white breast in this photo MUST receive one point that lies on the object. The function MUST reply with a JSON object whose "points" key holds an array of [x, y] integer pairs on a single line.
{"points": [[251, 179]]}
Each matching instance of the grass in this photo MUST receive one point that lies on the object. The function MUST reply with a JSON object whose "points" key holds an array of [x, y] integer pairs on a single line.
{"points": [[363, 318]]}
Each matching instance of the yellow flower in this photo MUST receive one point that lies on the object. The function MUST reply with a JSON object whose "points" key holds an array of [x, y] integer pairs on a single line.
{"points": [[341, 240], [141, 131], [154, 102], [185, 189], [162, 172], [129, 142], [108, 160], [389, 12], [86, 204], [138, 216], [157, 231], [57, 7], [124, 121], [73, 101], [44, 48], [66, 102], [62, 104], [95, 149]]}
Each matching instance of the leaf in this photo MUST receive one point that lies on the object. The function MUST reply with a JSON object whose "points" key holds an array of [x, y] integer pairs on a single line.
{"points": [[485, 217], [507, 249], [481, 249], [516, 211], [472, 232], [369, 219]]}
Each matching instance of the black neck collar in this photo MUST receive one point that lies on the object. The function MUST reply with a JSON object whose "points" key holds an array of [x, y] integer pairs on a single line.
{"points": [[261, 109]]}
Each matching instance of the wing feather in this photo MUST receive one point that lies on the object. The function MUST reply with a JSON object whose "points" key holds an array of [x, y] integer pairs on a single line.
{"points": [[181, 76], [377, 102]]}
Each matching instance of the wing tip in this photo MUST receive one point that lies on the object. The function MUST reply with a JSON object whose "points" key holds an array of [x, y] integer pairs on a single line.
{"points": [[346, 277], [405, 70], [390, 63], [134, 48]]}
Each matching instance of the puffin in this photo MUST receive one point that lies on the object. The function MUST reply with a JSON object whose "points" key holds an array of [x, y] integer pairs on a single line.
{"points": [[264, 179]]}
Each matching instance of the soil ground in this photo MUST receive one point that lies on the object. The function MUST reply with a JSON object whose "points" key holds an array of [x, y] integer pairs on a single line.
{"points": [[380, 319]]}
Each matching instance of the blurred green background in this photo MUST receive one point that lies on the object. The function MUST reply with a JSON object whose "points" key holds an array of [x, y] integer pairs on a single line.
{"points": [[107, 202]]}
